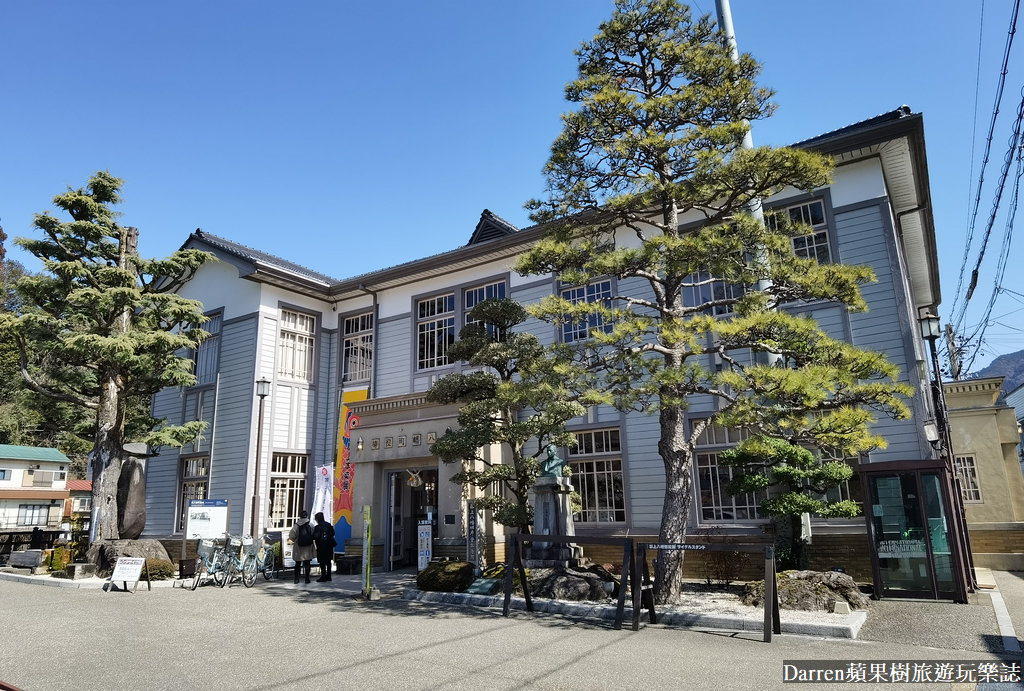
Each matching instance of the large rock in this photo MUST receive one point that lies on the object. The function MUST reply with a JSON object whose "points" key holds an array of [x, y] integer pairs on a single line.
{"points": [[131, 499], [583, 583], [446, 576], [809, 590], [104, 553]]}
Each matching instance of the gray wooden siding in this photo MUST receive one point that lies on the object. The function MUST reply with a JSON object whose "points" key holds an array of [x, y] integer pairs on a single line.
{"points": [[643, 471], [325, 420], [162, 470], [229, 457], [863, 239], [393, 352]]}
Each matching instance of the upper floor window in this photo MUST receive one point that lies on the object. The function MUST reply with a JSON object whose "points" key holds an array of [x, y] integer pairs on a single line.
{"points": [[357, 350], [472, 297], [435, 330], [206, 355], [702, 289], [598, 291], [80, 504], [5, 474], [295, 348], [42, 478], [814, 245]]}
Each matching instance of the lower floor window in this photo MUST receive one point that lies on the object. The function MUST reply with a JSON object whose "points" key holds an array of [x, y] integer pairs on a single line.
{"points": [[195, 478], [597, 475], [33, 514], [967, 472], [716, 504], [287, 489]]}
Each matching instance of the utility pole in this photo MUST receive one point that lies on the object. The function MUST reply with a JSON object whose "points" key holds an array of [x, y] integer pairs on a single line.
{"points": [[954, 353]]}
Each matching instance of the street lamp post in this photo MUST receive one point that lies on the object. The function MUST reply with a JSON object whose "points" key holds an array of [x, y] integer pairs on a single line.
{"points": [[262, 390], [963, 560]]}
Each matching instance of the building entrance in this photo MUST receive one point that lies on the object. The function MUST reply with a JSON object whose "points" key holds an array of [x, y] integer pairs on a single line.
{"points": [[412, 497]]}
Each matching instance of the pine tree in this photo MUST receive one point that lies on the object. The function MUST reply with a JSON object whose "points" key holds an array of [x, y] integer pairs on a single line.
{"points": [[655, 141], [101, 328]]}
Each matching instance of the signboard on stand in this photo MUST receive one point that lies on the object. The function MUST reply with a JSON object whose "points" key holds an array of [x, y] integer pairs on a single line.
{"points": [[128, 570], [206, 518]]}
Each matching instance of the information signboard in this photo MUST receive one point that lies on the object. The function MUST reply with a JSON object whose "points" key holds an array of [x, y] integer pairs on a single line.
{"points": [[206, 518], [129, 570], [425, 544]]}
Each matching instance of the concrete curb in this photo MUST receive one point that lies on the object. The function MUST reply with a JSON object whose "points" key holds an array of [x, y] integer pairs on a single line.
{"points": [[79, 583], [846, 627]]}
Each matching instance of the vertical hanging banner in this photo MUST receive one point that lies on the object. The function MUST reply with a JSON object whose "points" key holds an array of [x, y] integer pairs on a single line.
{"points": [[344, 469], [323, 497]]}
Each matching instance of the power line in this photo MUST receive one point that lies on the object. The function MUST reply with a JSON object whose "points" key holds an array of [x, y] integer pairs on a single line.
{"points": [[981, 176]]}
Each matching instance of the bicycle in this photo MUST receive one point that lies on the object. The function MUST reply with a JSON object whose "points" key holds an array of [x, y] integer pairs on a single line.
{"points": [[241, 557], [266, 558], [210, 559]]}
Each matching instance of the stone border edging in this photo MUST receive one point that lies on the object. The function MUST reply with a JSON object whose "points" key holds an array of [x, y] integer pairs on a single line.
{"points": [[848, 627]]}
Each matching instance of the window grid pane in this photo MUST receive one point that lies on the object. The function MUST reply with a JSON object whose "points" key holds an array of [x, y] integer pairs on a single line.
{"points": [[716, 504], [287, 488], [195, 474], [598, 479], [474, 296], [599, 291], [435, 332], [967, 471], [296, 346]]}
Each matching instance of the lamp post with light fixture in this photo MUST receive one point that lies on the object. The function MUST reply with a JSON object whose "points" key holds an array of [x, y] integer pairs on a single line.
{"points": [[963, 560], [262, 390]]}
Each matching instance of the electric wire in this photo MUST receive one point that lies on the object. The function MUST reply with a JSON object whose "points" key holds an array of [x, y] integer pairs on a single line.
{"points": [[981, 175]]}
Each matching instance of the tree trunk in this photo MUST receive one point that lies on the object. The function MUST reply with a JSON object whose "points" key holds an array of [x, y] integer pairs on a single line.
{"points": [[678, 459], [105, 464]]}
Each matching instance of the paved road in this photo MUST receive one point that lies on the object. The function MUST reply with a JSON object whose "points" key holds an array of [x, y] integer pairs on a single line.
{"points": [[280, 637]]}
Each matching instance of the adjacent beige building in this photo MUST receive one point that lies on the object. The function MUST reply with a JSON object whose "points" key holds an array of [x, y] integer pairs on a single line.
{"points": [[985, 439]]}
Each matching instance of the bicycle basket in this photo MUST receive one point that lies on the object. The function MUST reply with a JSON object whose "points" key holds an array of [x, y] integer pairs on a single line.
{"points": [[206, 548], [249, 546]]}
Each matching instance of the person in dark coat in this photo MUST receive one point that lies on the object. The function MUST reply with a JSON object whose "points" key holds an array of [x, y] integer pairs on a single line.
{"points": [[323, 535], [302, 554]]}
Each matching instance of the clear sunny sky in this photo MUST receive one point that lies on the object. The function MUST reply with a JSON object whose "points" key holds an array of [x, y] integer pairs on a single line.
{"points": [[350, 136]]}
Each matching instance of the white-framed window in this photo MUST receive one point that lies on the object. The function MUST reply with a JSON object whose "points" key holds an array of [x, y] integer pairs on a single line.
{"points": [[357, 349], [199, 405], [596, 463], [716, 505], [814, 245], [205, 357], [598, 291], [966, 468], [5, 474], [194, 483], [848, 489], [435, 330], [702, 288], [33, 514], [287, 488], [81, 504], [471, 297], [295, 349]]}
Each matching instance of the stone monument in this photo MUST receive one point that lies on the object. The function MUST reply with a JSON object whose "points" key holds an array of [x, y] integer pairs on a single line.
{"points": [[552, 515]]}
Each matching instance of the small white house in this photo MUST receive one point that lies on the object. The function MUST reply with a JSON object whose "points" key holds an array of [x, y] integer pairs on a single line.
{"points": [[33, 488]]}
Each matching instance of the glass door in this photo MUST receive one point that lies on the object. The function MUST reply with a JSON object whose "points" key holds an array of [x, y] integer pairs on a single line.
{"points": [[396, 533]]}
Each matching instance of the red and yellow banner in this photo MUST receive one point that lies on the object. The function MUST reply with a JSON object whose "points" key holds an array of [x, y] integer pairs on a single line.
{"points": [[344, 468]]}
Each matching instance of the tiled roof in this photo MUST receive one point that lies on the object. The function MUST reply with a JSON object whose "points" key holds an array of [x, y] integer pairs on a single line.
{"points": [[901, 112], [79, 485], [31, 453], [257, 257]]}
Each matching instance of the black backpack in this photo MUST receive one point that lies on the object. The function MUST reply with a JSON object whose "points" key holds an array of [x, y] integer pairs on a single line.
{"points": [[305, 535]]}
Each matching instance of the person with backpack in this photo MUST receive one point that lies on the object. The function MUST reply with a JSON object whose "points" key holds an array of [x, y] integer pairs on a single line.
{"points": [[303, 551], [323, 536]]}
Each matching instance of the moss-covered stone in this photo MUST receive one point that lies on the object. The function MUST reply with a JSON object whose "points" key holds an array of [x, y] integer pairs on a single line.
{"points": [[446, 576]]}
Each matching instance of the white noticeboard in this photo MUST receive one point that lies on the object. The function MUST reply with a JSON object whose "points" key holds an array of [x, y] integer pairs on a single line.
{"points": [[425, 544], [129, 570], [206, 518]]}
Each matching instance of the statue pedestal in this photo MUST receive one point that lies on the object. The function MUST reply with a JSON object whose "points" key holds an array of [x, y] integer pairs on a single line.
{"points": [[552, 515]]}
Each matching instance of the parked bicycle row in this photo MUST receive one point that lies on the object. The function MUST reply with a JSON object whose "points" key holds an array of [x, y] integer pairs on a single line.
{"points": [[242, 557]]}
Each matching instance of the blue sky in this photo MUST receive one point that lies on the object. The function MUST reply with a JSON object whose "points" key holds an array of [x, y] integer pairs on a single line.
{"points": [[353, 136]]}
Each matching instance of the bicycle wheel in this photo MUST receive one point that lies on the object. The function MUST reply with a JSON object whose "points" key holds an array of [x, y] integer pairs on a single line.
{"points": [[220, 570], [198, 573], [249, 571], [268, 565]]}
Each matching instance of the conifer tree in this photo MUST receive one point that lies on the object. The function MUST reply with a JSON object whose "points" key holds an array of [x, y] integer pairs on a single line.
{"points": [[102, 328], [648, 184]]}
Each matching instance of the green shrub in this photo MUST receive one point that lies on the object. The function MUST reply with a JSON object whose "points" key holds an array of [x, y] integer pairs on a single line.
{"points": [[159, 569], [57, 558], [446, 576]]}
